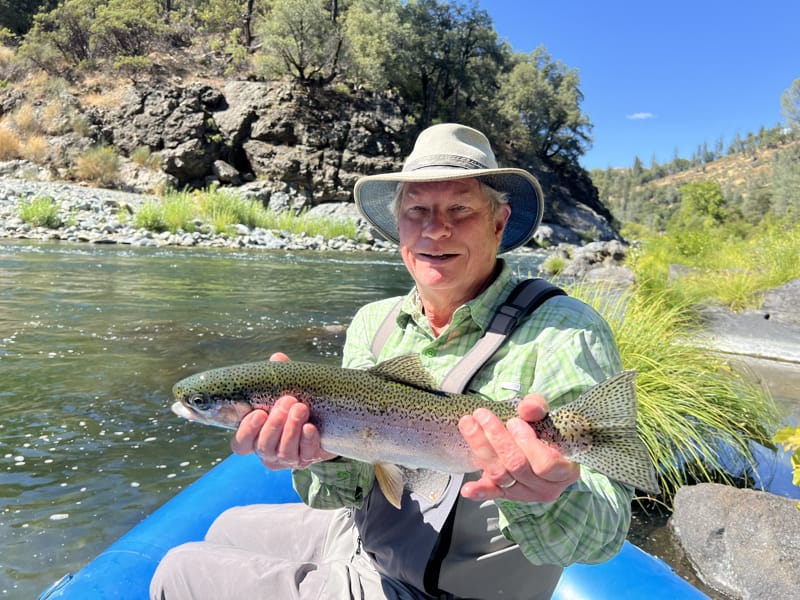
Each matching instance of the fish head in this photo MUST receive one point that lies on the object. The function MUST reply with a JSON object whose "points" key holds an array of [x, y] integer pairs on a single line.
{"points": [[220, 397]]}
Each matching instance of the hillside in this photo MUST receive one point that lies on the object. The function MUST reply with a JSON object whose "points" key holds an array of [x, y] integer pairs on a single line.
{"points": [[739, 172], [762, 179]]}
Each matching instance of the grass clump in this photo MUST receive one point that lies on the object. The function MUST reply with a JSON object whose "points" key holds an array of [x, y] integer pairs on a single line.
{"points": [[696, 412], [10, 145], [223, 210], [150, 216], [554, 264], [100, 165], [41, 211]]}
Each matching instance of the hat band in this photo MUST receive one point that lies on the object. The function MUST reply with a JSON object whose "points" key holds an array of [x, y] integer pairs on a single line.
{"points": [[435, 161]]}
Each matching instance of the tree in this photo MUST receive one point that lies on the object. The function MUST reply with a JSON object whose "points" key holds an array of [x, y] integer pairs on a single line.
{"points": [[300, 38], [790, 105], [375, 41], [702, 206], [541, 99], [17, 15], [448, 60]]}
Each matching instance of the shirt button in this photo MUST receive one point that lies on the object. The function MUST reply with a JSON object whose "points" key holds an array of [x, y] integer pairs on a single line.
{"points": [[429, 352]]}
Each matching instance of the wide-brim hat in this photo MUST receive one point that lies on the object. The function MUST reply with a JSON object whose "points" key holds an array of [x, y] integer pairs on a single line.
{"points": [[451, 151]]}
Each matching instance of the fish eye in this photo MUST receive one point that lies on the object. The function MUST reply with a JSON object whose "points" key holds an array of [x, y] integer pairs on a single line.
{"points": [[199, 401]]}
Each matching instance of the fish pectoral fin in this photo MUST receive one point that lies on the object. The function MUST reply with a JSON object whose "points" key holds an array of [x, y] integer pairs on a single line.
{"points": [[426, 483], [390, 481]]}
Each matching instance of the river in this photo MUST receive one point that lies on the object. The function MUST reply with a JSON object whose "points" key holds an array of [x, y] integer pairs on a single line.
{"points": [[92, 338]]}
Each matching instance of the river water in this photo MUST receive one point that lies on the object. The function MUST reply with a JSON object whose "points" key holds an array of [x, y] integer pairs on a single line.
{"points": [[93, 337]]}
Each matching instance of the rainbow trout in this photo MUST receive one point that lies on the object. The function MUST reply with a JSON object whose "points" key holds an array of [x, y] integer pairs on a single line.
{"points": [[393, 414]]}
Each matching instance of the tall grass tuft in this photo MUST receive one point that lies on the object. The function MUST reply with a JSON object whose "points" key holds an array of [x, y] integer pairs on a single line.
{"points": [[41, 211], [696, 412], [99, 164], [10, 145], [150, 216], [224, 209]]}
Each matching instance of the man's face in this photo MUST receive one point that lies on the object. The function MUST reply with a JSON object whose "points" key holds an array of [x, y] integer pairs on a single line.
{"points": [[449, 236]]}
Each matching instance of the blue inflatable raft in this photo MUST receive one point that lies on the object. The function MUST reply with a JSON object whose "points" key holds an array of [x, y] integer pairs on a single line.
{"points": [[123, 571]]}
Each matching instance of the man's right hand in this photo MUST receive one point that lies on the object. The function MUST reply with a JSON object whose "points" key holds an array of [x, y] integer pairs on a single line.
{"points": [[283, 437]]}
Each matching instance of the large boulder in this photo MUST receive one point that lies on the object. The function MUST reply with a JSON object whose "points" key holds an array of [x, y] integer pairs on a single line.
{"points": [[744, 543]]}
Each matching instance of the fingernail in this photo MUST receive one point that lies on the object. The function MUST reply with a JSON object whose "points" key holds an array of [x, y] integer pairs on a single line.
{"points": [[467, 425]]}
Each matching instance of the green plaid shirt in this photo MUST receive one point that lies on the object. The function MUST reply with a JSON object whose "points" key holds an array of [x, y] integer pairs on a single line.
{"points": [[559, 351]]}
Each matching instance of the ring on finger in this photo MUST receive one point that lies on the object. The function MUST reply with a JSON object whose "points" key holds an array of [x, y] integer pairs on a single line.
{"points": [[509, 485]]}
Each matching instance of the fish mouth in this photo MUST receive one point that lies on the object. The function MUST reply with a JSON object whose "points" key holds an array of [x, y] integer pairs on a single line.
{"points": [[180, 409]]}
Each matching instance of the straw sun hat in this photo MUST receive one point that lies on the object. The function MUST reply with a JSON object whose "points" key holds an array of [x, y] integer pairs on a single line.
{"points": [[451, 151]]}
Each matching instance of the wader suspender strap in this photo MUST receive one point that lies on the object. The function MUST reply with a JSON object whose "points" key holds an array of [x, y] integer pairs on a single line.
{"points": [[526, 297]]}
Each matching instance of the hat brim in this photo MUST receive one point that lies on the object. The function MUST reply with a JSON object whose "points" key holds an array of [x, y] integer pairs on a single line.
{"points": [[374, 194]]}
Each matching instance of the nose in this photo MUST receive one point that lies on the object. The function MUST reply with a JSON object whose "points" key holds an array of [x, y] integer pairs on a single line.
{"points": [[437, 225]]}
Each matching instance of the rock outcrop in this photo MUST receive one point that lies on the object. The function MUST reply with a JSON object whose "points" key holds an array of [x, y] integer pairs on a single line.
{"points": [[306, 146], [744, 543]]}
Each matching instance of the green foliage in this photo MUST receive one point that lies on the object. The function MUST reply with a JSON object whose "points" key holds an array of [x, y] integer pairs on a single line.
{"points": [[17, 15], [376, 41], [691, 402], [222, 209], [63, 33], [301, 39], [41, 211], [126, 29], [789, 437], [541, 99], [790, 104], [732, 268], [554, 264], [150, 216], [447, 66], [702, 206]]}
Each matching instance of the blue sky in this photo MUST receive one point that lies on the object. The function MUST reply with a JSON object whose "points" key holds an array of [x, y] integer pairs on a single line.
{"points": [[661, 76]]}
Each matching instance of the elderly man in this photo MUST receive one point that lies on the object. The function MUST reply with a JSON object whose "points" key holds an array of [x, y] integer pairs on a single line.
{"points": [[505, 531]]}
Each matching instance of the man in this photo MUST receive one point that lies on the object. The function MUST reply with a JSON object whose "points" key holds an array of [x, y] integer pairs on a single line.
{"points": [[503, 532]]}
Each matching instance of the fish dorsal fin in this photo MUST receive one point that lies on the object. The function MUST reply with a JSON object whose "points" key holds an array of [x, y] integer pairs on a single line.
{"points": [[408, 370]]}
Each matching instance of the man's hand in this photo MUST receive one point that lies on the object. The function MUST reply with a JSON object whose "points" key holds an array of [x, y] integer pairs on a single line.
{"points": [[282, 438], [516, 465]]}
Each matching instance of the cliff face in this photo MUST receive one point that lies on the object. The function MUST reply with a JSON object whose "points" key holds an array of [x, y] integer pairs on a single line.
{"points": [[296, 146]]}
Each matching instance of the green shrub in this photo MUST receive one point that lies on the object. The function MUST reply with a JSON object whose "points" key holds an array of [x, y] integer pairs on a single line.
{"points": [[42, 211], [789, 437], [150, 216]]}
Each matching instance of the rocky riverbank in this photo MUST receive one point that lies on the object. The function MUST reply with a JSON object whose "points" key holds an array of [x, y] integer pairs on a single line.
{"points": [[103, 216]]}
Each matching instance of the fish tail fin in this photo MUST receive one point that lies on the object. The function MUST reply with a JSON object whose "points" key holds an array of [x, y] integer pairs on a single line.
{"points": [[609, 404], [390, 481], [626, 460], [616, 449]]}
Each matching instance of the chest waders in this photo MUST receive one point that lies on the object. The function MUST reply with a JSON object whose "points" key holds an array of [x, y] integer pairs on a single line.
{"points": [[453, 547]]}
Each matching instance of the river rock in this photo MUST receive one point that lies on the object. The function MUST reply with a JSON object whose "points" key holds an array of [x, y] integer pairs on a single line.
{"points": [[745, 543]]}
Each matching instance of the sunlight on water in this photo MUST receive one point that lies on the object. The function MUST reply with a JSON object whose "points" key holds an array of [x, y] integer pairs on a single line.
{"points": [[92, 338]]}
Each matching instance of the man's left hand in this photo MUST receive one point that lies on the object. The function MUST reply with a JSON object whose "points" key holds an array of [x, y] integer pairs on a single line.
{"points": [[515, 464]]}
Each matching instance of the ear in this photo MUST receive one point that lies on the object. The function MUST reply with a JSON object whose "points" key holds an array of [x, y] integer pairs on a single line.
{"points": [[500, 220]]}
